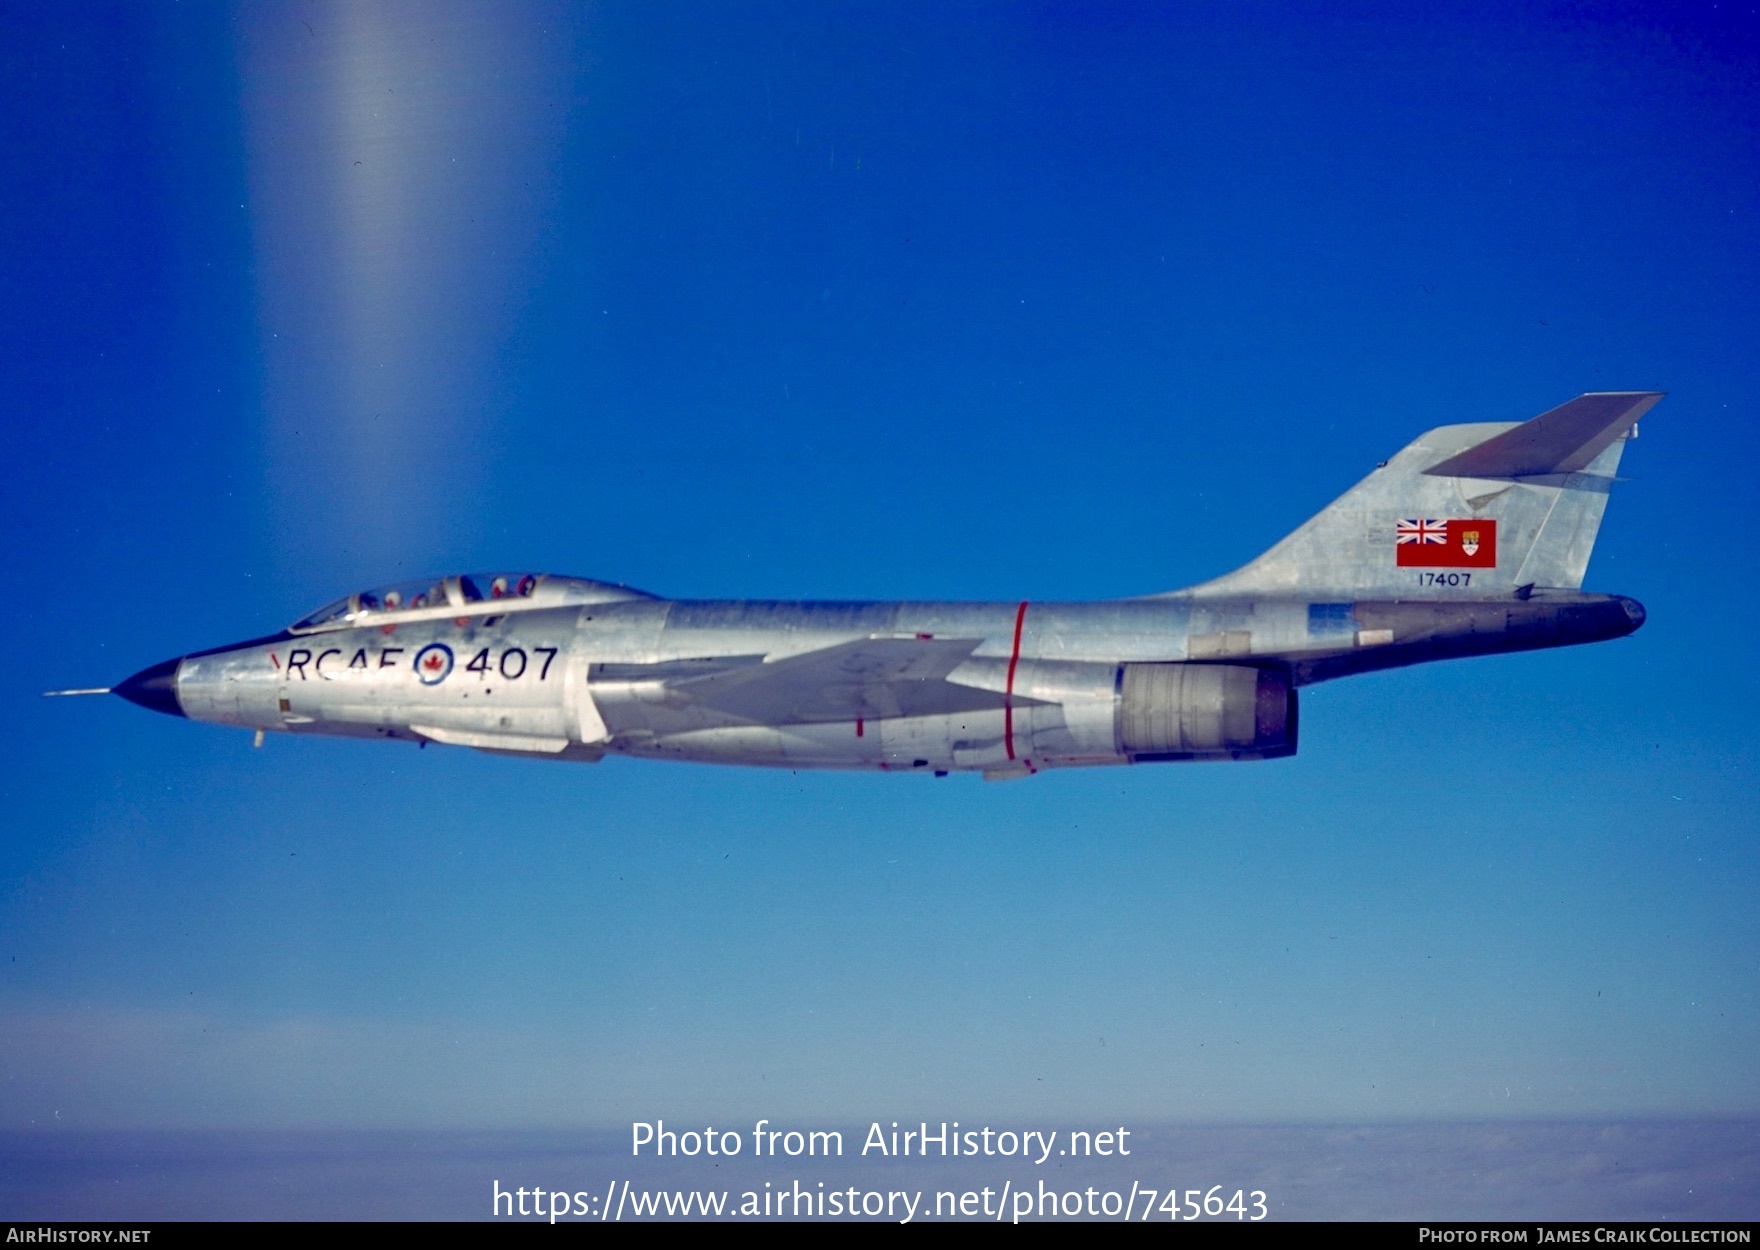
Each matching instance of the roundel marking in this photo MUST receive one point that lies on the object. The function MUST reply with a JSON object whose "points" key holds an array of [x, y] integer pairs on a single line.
{"points": [[433, 663]]}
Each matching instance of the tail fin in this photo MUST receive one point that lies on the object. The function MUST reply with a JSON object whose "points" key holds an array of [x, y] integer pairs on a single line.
{"points": [[1489, 508]]}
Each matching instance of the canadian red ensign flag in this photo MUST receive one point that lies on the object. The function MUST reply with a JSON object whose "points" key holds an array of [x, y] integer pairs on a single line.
{"points": [[1424, 543]]}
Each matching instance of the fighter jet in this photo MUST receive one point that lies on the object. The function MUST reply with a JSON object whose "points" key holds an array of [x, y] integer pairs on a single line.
{"points": [[1473, 540]]}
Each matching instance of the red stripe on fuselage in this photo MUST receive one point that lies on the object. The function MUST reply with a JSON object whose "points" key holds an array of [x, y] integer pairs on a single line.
{"points": [[1014, 658]]}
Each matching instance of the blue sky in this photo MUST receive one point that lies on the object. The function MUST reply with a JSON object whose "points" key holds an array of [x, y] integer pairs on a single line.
{"points": [[981, 302]]}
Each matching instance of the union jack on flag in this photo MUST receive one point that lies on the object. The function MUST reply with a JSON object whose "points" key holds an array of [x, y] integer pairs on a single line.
{"points": [[1421, 530]]}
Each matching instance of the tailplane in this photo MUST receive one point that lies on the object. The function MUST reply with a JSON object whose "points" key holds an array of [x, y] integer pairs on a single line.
{"points": [[1490, 509]]}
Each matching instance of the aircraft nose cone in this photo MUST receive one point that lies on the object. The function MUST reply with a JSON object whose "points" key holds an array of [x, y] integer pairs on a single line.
{"points": [[1634, 611], [154, 688]]}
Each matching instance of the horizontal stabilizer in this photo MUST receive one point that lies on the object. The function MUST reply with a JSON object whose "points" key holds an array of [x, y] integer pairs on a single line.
{"points": [[1564, 440]]}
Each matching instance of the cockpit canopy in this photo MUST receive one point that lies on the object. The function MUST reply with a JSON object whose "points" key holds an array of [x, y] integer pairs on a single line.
{"points": [[462, 594]]}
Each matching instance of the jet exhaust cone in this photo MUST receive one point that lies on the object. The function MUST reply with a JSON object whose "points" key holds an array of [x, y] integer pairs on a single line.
{"points": [[154, 688]]}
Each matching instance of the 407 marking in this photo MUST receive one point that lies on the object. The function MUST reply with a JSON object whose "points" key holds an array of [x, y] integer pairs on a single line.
{"points": [[512, 664]]}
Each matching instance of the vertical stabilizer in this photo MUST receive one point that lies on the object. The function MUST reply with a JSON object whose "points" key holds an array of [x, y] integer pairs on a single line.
{"points": [[1466, 508]]}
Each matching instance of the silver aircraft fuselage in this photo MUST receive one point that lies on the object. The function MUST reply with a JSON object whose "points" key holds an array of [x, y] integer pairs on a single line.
{"points": [[1003, 688], [1472, 541]]}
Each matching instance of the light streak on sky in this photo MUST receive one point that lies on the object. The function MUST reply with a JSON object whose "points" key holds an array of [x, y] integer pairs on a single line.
{"points": [[401, 173]]}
